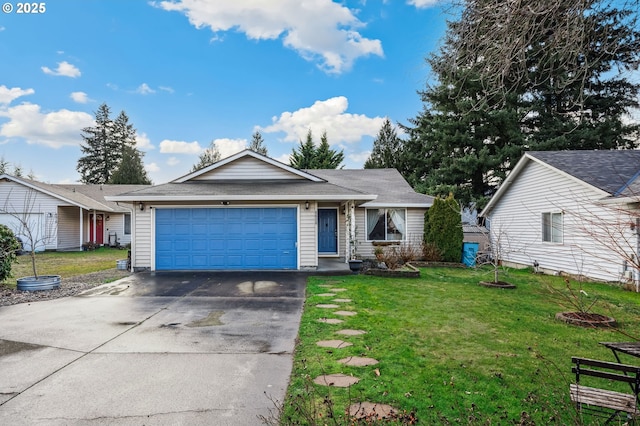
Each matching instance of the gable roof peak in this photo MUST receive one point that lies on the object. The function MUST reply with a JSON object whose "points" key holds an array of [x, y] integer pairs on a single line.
{"points": [[244, 154]]}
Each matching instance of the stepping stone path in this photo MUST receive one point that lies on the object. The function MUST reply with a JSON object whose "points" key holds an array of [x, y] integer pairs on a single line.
{"points": [[349, 332], [337, 290], [330, 320], [342, 300], [345, 313], [371, 411], [337, 380], [357, 361], [327, 306], [326, 294], [337, 344]]}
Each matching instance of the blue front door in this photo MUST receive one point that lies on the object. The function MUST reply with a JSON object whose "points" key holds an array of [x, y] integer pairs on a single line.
{"points": [[327, 231]]}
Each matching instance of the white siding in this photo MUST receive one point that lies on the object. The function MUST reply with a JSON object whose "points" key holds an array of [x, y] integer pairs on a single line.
{"points": [[16, 198], [69, 228], [115, 223], [308, 238], [247, 168], [414, 233], [516, 223]]}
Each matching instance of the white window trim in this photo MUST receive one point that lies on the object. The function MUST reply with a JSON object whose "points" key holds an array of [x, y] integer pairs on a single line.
{"points": [[551, 228]]}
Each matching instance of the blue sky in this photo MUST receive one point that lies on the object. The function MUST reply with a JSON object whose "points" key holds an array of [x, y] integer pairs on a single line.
{"points": [[189, 72]]}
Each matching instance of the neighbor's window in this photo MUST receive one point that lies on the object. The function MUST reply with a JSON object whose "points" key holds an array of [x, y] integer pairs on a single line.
{"points": [[127, 224], [386, 224], [552, 227]]}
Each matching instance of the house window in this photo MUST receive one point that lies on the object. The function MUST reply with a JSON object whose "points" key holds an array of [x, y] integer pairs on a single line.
{"points": [[127, 224], [552, 227], [386, 224]]}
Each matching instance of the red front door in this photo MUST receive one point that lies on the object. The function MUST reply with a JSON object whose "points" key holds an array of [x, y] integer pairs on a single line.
{"points": [[99, 234]]}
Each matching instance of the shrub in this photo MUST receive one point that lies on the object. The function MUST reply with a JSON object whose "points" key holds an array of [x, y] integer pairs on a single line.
{"points": [[431, 252], [9, 245], [407, 252], [390, 257], [443, 227]]}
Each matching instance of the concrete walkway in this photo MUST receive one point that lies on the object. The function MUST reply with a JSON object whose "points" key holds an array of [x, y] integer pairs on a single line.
{"points": [[152, 349]]}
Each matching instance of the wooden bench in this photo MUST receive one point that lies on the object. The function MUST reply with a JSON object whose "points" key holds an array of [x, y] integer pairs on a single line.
{"points": [[603, 401]]}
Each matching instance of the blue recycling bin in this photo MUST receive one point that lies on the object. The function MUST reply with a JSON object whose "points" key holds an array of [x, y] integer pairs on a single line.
{"points": [[469, 253]]}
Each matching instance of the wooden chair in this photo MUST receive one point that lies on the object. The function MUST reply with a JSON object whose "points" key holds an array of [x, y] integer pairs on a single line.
{"points": [[601, 401]]}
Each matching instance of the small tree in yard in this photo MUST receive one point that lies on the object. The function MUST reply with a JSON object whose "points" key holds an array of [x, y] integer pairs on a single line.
{"points": [[443, 228], [8, 246]]}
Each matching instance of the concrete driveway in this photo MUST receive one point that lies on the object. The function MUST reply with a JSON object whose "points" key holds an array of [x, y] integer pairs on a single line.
{"points": [[152, 349]]}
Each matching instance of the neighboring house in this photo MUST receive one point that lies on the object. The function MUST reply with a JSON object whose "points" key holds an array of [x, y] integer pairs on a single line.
{"points": [[249, 211], [573, 212], [64, 217]]}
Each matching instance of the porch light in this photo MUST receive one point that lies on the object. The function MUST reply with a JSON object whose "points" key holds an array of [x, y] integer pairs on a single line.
{"points": [[306, 205], [141, 206]]}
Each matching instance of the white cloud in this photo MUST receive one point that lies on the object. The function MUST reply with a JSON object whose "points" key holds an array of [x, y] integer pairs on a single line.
{"points": [[9, 95], [180, 147], [80, 97], [359, 157], [228, 147], [423, 4], [53, 129], [2, 29], [319, 30], [284, 158], [166, 89], [152, 168], [173, 161], [144, 89], [329, 116], [143, 142], [65, 69]]}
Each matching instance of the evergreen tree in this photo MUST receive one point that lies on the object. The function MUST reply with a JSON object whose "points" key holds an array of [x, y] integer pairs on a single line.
{"points": [[101, 151], [550, 94], [325, 157], [131, 170], [308, 156], [257, 144], [209, 156], [4, 166], [386, 149], [304, 157], [443, 228]]}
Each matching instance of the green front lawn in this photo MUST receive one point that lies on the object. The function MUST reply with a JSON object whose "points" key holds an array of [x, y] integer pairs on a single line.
{"points": [[66, 264], [450, 350]]}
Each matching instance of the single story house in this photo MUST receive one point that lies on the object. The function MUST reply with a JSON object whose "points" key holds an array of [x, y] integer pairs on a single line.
{"points": [[64, 217], [249, 211], [572, 212]]}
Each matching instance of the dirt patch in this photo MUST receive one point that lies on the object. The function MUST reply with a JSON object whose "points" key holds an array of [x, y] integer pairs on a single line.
{"points": [[586, 319], [372, 411]]}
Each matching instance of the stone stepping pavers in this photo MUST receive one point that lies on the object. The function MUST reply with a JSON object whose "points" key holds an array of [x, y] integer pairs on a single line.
{"points": [[342, 300], [336, 344], [358, 361], [327, 306], [337, 290], [337, 380], [326, 294], [330, 320], [349, 332], [345, 313], [371, 411]]}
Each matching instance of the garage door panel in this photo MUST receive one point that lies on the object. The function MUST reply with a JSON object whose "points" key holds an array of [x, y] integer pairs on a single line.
{"points": [[226, 238]]}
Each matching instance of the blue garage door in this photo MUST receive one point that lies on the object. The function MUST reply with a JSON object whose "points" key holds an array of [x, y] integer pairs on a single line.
{"points": [[226, 238]]}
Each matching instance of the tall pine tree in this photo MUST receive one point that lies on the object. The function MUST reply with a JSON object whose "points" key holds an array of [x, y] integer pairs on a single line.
{"points": [[553, 85], [131, 170], [386, 149], [105, 147], [209, 156], [257, 144], [308, 156]]}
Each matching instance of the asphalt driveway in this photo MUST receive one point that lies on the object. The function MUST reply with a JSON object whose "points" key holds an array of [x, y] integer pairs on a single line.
{"points": [[152, 349]]}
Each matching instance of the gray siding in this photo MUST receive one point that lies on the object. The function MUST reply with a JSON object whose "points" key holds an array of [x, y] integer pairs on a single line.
{"points": [[115, 223]]}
